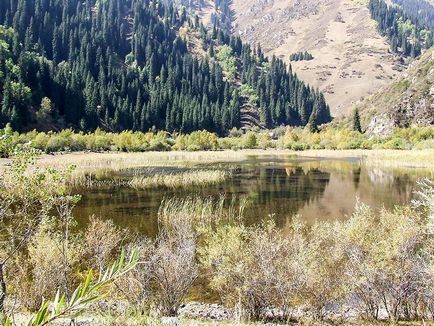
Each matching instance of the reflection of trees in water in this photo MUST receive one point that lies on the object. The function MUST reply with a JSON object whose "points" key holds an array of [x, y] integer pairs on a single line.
{"points": [[282, 191], [270, 189], [403, 185], [356, 177], [393, 187]]}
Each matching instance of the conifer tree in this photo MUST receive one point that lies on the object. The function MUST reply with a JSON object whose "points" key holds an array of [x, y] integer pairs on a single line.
{"points": [[356, 121]]}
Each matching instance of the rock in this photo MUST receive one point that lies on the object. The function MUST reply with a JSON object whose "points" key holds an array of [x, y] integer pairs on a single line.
{"points": [[206, 311], [170, 321]]}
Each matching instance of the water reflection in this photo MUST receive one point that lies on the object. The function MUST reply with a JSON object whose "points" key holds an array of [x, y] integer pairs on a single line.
{"points": [[317, 189]]}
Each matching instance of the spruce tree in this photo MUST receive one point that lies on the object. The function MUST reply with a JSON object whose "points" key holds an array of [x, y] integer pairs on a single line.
{"points": [[356, 121]]}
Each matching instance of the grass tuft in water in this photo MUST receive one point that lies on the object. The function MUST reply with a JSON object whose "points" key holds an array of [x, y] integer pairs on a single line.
{"points": [[183, 179], [201, 212]]}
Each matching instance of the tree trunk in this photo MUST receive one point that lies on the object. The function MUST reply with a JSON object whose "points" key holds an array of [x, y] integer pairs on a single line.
{"points": [[2, 290]]}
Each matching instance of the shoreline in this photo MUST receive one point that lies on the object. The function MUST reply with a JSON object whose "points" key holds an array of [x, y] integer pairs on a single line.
{"points": [[92, 161]]}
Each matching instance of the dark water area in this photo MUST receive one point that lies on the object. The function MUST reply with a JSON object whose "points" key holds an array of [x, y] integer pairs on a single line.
{"points": [[274, 186]]}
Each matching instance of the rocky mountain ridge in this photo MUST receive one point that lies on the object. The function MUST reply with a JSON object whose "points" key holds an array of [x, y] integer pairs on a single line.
{"points": [[408, 101]]}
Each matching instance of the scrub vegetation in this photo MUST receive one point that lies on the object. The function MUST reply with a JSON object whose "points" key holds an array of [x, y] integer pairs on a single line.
{"points": [[282, 138], [378, 264]]}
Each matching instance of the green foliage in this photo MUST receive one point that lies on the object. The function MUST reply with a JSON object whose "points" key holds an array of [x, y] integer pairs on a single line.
{"points": [[289, 138], [248, 92], [249, 140], [300, 56], [84, 294], [196, 141], [6, 142], [85, 66], [228, 61], [330, 138], [408, 27]]}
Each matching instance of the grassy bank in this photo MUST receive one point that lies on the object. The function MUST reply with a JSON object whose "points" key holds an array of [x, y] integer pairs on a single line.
{"points": [[118, 161]]}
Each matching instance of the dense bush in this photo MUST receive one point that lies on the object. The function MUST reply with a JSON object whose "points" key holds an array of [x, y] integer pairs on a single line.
{"points": [[376, 261], [297, 139], [197, 141]]}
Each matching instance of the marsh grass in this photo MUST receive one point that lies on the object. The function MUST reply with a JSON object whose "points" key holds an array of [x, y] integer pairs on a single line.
{"points": [[183, 179], [90, 166], [203, 213], [148, 178], [120, 161]]}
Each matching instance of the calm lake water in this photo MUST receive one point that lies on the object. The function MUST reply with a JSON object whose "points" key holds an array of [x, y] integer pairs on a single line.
{"points": [[315, 188]]}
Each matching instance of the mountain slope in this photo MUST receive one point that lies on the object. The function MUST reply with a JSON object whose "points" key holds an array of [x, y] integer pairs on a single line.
{"points": [[408, 101], [351, 60], [129, 64]]}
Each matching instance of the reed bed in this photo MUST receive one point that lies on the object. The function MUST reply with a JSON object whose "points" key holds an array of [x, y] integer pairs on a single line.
{"points": [[94, 162], [183, 179], [203, 213]]}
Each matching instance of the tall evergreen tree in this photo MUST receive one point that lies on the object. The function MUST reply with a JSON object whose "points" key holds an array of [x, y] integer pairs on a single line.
{"points": [[356, 121]]}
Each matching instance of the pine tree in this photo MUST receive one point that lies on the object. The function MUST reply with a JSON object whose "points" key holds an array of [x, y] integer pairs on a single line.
{"points": [[97, 72], [356, 121]]}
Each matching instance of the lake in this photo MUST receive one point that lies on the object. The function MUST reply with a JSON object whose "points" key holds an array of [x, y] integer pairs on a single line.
{"points": [[274, 186]]}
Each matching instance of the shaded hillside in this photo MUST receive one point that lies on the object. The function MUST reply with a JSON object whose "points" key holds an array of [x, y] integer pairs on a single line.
{"points": [[351, 60], [407, 25], [408, 101], [129, 64]]}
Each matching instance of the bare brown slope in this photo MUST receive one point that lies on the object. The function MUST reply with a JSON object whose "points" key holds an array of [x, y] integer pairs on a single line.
{"points": [[351, 60]]}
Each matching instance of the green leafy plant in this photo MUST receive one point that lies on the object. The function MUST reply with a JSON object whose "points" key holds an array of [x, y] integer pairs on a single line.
{"points": [[84, 294]]}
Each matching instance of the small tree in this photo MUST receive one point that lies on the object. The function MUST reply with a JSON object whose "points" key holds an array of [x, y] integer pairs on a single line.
{"points": [[356, 121], [43, 115], [312, 125], [28, 197]]}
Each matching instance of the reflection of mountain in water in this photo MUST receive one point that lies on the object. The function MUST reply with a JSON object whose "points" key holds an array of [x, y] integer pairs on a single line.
{"points": [[315, 189], [281, 191]]}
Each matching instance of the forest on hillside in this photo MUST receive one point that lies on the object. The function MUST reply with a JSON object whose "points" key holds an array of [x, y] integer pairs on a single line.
{"points": [[418, 10], [408, 27], [126, 64]]}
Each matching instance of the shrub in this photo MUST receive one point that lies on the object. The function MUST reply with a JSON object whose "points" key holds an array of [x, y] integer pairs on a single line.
{"points": [[377, 260], [6, 141], [397, 143], [173, 266], [386, 265], [249, 140], [235, 133], [101, 241], [229, 143], [264, 140], [196, 141], [41, 272], [128, 141], [256, 267]]}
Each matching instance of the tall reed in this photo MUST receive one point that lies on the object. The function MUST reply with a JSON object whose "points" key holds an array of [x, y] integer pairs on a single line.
{"points": [[183, 179]]}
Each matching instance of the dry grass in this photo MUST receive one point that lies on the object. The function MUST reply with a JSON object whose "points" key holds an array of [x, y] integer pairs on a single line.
{"points": [[203, 213], [386, 158], [88, 163], [183, 179], [118, 161]]}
